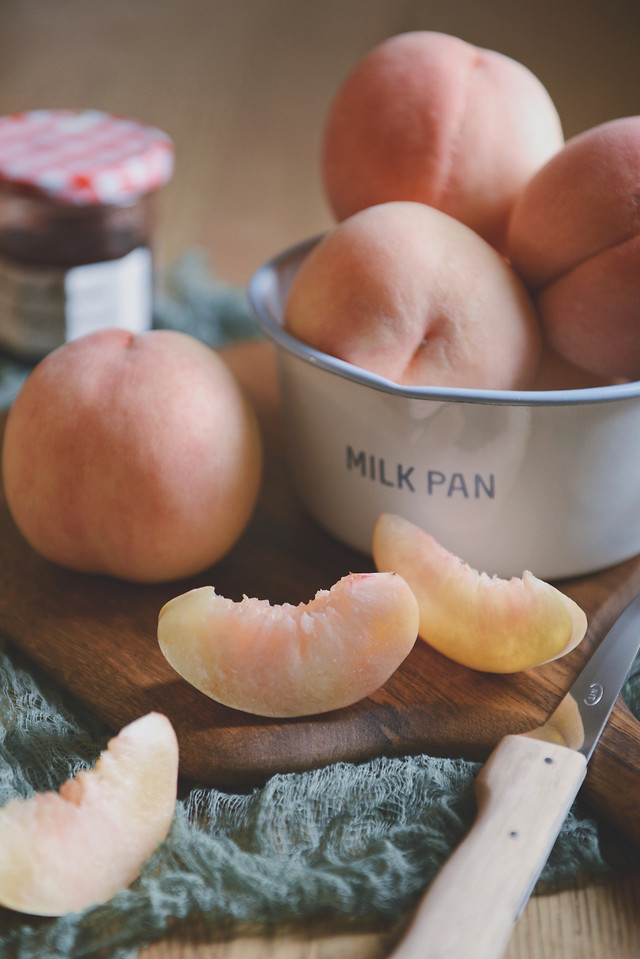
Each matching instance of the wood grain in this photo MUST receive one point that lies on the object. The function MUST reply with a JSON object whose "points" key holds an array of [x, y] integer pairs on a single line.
{"points": [[97, 637], [585, 923]]}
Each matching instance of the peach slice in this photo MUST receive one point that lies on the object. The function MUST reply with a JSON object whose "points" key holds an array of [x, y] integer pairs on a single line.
{"points": [[63, 852], [484, 622], [287, 660]]}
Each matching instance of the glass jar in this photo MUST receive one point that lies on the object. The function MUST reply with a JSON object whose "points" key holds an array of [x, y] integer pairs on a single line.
{"points": [[77, 216]]}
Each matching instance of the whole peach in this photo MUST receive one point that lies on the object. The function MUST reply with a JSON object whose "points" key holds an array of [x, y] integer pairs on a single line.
{"points": [[428, 117], [557, 373], [574, 237], [132, 456], [409, 293]]}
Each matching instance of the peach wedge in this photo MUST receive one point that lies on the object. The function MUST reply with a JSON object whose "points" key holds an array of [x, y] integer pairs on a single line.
{"points": [[285, 661], [65, 851], [484, 622]]}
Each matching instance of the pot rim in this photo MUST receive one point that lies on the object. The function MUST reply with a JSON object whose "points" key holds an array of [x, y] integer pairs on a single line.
{"points": [[262, 286]]}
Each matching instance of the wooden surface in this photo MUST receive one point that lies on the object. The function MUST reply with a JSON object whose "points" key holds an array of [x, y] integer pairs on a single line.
{"points": [[242, 87], [97, 637]]}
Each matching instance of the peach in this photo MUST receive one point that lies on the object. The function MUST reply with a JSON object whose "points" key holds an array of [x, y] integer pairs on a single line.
{"points": [[133, 456], [484, 622], [65, 851], [574, 237], [409, 293], [290, 660], [428, 117], [558, 373]]}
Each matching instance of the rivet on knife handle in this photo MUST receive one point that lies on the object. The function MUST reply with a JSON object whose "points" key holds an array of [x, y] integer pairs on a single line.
{"points": [[525, 791]]}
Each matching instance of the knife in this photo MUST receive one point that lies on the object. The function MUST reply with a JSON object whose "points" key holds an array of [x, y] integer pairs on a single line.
{"points": [[524, 792]]}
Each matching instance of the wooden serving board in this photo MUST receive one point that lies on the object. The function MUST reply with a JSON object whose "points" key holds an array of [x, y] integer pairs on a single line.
{"points": [[97, 638]]}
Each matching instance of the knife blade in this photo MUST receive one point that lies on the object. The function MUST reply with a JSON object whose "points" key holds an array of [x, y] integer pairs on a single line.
{"points": [[524, 792]]}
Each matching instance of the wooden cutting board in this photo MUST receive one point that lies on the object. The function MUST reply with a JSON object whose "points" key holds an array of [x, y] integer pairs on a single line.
{"points": [[97, 638]]}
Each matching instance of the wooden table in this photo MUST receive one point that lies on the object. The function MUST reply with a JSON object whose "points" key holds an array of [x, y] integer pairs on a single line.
{"points": [[243, 88]]}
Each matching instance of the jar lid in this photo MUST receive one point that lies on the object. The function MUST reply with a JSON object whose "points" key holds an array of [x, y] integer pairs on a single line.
{"points": [[83, 156]]}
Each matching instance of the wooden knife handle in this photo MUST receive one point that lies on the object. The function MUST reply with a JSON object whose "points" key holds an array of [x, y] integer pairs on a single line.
{"points": [[524, 791]]}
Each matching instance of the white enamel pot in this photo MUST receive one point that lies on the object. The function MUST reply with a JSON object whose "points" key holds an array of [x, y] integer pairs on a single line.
{"points": [[546, 481]]}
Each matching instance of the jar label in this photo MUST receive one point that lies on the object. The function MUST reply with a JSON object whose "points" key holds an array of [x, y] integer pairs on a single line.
{"points": [[42, 308]]}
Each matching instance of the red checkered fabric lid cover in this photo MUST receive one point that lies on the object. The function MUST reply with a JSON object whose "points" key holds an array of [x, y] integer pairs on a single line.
{"points": [[83, 156]]}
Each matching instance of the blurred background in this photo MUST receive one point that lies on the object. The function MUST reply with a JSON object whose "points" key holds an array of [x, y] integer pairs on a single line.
{"points": [[243, 86]]}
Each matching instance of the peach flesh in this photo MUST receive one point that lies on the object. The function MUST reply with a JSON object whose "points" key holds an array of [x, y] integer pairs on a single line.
{"points": [[287, 661], [63, 852], [133, 456], [409, 293], [430, 118], [485, 623]]}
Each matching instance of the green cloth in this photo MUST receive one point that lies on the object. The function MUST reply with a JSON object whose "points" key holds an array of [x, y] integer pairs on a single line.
{"points": [[346, 840]]}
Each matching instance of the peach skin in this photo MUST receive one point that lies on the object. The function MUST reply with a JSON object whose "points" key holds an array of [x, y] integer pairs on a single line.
{"points": [[430, 118], [574, 237], [132, 456], [411, 294]]}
